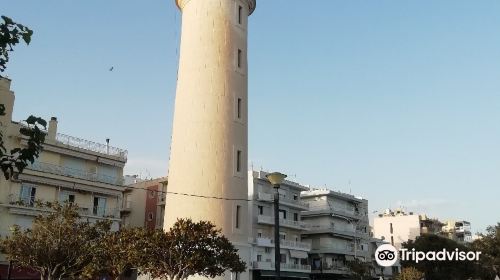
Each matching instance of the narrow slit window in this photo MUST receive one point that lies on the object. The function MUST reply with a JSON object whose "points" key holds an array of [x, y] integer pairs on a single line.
{"points": [[240, 13], [238, 161], [239, 58], [238, 210], [238, 108]]}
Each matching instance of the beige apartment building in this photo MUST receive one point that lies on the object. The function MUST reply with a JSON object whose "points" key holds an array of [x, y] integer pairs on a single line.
{"points": [[144, 202], [398, 226], [294, 251], [338, 232], [69, 169]]}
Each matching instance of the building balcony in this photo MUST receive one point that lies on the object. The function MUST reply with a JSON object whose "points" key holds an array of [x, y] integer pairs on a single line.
{"points": [[283, 267], [268, 220], [315, 229], [322, 211], [34, 207], [74, 173], [127, 207], [82, 144], [332, 269], [267, 197], [284, 244]]}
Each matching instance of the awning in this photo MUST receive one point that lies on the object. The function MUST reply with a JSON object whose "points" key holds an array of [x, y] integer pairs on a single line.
{"points": [[349, 258], [298, 254]]}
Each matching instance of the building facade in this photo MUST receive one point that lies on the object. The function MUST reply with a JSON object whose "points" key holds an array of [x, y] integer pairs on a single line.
{"points": [[69, 169], [294, 251], [338, 233], [210, 133], [144, 202], [397, 227]]}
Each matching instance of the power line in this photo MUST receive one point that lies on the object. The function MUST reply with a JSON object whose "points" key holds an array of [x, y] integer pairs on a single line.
{"points": [[192, 195]]}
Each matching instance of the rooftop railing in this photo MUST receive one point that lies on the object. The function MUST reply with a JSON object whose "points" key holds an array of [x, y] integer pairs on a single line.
{"points": [[91, 146]]}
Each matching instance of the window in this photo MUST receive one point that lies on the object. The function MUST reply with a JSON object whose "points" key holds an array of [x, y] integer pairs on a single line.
{"points": [[240, 14], [392, 240], [239, 58], [283, 258], [238, 161], [152, 194], [259, 234], [282, 214], [391, 229], [99, 208], [238, 108], [261, 210], [66, 197], [267, 250], [238, 210], [27, 195], [295, 197], [282, 236], [150, 216], [296, 216], [259, 258]]}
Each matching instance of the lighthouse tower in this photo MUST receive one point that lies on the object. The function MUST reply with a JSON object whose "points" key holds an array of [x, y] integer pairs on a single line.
{"points": [[210, 132]]}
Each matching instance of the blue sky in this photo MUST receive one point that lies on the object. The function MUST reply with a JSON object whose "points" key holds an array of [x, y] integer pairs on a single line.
{"points": [[396, 101]]}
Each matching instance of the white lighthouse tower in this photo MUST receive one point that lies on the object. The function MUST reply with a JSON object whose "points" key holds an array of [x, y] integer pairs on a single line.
{"points": [[210, 132]]}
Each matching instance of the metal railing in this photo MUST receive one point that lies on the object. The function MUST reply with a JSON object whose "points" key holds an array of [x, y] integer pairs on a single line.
{"points": [[283, 266], [86, 210], [283, 222], [264, 241], [75, 173], [91, 146], [270, 197]]}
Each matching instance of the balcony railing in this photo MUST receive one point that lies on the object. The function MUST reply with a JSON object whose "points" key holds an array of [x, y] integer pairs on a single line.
{"points": [[283, 266], [268, 242], [336, 210], [85, 210], [333, 229], [74, 173], [285, 223], [91, 146], [284, 200]]}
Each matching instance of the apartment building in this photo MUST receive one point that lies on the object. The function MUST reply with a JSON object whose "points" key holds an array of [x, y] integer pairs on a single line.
{"points": [[69, 169], [338, 232], [397, 227], [144, 202], [460, 231], [294, 251]]}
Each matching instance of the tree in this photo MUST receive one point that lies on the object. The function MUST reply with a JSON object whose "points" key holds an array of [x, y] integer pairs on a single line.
{"points": [[410, 273], [360, 270], [12, 33], [190, 248], [117, 253], [437, 270], [59, 245], [489, 245]]}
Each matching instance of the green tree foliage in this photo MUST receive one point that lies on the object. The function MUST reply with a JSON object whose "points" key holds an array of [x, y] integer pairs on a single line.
{"points": [[17, 159], [410, 273], [59, 244], [489, 245], [188, 249], [117, 253], [438, 270], [11, 34], [360, 270]]}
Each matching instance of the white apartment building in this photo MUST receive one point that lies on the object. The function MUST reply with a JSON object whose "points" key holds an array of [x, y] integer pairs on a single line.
{"points": [[397, 227], [294, 251], [460, 231], [339, 232]]}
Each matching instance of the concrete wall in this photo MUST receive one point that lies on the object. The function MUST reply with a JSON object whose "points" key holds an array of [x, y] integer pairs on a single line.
{"points": [[404, 228]]}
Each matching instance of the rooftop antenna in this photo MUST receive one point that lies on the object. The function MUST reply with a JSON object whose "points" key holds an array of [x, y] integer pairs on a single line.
{"points": [[107, 146]]}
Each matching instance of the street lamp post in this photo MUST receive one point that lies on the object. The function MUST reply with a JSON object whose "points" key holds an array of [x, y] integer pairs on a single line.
{"points": [[276, 179]]}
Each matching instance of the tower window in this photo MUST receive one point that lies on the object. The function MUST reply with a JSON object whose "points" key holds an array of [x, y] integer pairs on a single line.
{"points": [[261, 210], [240, 13], [238, 210], [239, 58], [391, 229], [238, 108], [238, 161]]}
